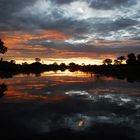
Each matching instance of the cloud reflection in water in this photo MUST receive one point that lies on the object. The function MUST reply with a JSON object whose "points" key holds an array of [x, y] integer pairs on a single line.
{"points": [[49, 103]]}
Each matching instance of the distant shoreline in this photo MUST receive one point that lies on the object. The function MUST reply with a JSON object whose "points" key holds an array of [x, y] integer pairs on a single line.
{"points": [[130, 72]]}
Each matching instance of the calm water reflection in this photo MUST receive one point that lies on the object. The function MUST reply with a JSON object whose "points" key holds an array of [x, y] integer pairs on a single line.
{"points": [[79, 102]]}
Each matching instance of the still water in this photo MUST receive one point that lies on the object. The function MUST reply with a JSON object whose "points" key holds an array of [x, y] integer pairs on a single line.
{"points": [[72, 104]]}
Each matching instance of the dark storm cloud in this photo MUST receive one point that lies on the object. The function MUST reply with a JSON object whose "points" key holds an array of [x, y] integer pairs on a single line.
{"points": [[101, 4], [56, 20], [106, 27], [88, 27], [73, 27], [67, 25], [110, 4], [7, 8], [62, 1], [70, 17]]}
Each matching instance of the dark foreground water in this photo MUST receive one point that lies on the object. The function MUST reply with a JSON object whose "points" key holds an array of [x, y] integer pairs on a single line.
{"points": [[69, 105]]}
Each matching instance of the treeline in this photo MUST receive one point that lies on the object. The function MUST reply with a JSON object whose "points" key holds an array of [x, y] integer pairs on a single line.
{"points": [[131, 59], [122, 67]]}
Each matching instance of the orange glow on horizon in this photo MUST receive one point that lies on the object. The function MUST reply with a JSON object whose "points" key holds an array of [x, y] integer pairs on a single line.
{"points": [[80, 61]]}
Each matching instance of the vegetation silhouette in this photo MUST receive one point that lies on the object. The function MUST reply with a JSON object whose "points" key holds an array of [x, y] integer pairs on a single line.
{"points": [[3, 49], [3, 88], [122, 68], [107, 61], [121, 59], [129, 70]]}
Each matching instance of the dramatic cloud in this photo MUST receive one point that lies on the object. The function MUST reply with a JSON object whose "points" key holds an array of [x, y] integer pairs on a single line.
{"points": [[110, 4], [70, 26], [63, 1]]}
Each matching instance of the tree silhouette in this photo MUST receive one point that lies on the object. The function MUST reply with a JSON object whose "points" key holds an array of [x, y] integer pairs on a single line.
{"points": [[131, 59], [117, 62], [62, 65], [37, 60], [1, 59], [3, 49], [13, 61], [72, 64], [138, 58], [121, 59], [25, 63], [3, 88], [55, 64], [107, 61]]}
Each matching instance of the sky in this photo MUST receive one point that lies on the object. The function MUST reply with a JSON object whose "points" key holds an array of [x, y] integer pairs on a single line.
{"points": [[81, 31]]}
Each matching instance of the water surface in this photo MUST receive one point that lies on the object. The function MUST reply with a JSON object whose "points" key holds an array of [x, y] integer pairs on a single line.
{"points": [[72, 104]]}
